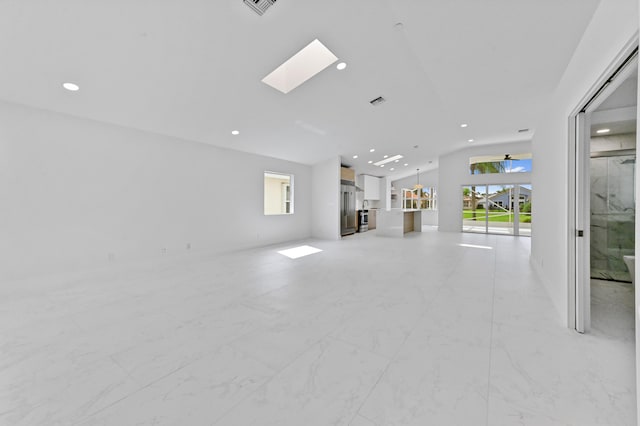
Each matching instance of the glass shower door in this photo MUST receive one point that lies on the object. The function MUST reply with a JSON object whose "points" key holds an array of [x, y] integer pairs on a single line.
{"points": [[612, 216]]}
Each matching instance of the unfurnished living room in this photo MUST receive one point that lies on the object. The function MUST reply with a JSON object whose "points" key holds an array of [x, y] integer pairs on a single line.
{"points": [[355, 213]]}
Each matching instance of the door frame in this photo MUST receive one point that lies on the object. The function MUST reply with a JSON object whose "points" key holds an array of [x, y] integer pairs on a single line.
{"points": [[578, 190]]}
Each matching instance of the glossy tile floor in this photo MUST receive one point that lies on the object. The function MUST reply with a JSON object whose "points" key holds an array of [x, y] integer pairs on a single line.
{"points": [[612, 306], [370, 332]]}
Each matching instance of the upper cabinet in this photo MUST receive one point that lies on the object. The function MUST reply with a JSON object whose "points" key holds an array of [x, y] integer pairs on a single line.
{"points": [[370, 185], [347, 174]]}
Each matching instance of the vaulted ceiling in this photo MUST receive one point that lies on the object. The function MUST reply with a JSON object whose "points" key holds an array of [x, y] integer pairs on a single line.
{"points": [[193, 69]]}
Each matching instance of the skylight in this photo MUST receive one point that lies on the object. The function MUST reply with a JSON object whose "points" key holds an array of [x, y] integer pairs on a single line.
{"points": [[300, 67], [388, 160]]}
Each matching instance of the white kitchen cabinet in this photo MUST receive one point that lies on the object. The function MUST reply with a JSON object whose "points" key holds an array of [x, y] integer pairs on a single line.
{"points": [[370, 185]]}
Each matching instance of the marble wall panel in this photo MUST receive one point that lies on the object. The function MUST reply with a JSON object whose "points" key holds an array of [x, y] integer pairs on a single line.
{"points": [[612, 216], [599, 185]]}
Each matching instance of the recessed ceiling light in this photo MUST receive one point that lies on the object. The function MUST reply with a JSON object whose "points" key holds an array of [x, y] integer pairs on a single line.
{"points": [[406, 164], [370, 161], [603, 131], [392, 169], [308, 62], [72, 87], [388, 160], [235, 132], [397, 161], [463, 125], [372, 150], [355, 156], [385, 156], [381, 165], [470, 140], [341, 66]]}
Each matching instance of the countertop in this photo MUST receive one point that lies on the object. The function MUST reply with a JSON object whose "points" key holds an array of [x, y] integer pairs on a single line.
{"points": [[402, 210]]}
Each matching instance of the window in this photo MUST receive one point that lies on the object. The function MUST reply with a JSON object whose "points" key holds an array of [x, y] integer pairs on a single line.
{"points": [[420, 198], [278, 193], [508, 163]]}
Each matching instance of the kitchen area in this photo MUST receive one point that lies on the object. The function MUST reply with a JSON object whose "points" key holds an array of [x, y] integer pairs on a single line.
{"points": [[370, 203], [359, 202]]}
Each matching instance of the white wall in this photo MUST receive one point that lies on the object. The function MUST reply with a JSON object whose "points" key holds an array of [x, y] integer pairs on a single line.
{"points": [[325, 199], [613, 143], [385, 193], [74, 191], [613, 25], [454, 173], [636, 278], [430, 217]]}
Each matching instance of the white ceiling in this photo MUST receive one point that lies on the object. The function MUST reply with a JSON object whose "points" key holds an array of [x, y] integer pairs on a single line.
{"points": [[192, 69], [625, 95], [618, 111]]}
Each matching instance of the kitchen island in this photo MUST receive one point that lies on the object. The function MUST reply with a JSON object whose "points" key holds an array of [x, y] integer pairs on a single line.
{"points": [[397, 222]]}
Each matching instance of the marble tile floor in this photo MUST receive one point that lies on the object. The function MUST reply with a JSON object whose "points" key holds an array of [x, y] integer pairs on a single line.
{"points": [[612, 307], [370, 332]]}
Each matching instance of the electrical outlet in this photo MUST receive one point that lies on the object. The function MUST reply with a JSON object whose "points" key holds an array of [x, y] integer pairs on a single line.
{"points": [[164, 250], [111, 257], [188, 246]]}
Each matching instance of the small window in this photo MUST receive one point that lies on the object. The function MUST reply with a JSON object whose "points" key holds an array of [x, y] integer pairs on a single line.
{"points": [[508, 163], [278, 193], [420, 198]]}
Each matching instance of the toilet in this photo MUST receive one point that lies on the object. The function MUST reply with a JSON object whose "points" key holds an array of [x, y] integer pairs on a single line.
{"points": [[631, 265]]}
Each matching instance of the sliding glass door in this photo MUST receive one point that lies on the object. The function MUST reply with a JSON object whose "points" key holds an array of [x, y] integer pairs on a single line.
{"points": [[475, 217], [497, 209], [524, 217]]}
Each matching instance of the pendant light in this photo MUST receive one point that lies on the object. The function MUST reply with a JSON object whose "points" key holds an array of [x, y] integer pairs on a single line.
{"points": [[417, 185]]}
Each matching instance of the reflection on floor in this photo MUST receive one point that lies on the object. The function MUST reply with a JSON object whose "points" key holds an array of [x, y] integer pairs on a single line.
{"points": [[612, 306], [371, 331], [498, 229]]}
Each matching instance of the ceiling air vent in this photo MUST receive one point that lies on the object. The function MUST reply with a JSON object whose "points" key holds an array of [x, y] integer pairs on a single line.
{"points": [[377, 101], [259, 6]]}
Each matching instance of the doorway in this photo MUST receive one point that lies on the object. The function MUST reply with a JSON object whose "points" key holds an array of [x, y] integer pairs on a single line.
{"points": [[602, 202]]}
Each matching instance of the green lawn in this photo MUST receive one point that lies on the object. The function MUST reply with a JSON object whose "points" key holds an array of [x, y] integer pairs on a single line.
{"points": [[494, 216]]}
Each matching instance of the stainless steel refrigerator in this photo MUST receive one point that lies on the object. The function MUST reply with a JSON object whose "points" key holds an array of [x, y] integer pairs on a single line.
{"points": [[347, 207]]}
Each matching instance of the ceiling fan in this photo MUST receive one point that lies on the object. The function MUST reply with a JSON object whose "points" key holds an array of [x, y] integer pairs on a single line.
{"points": [[516, 157]]}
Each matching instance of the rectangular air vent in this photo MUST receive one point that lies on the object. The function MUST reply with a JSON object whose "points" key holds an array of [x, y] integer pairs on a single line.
{"points": [[259, 6], [377, 101]]}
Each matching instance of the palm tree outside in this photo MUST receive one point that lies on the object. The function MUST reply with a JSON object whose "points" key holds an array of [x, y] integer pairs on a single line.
{"points": [[480, 169]]}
